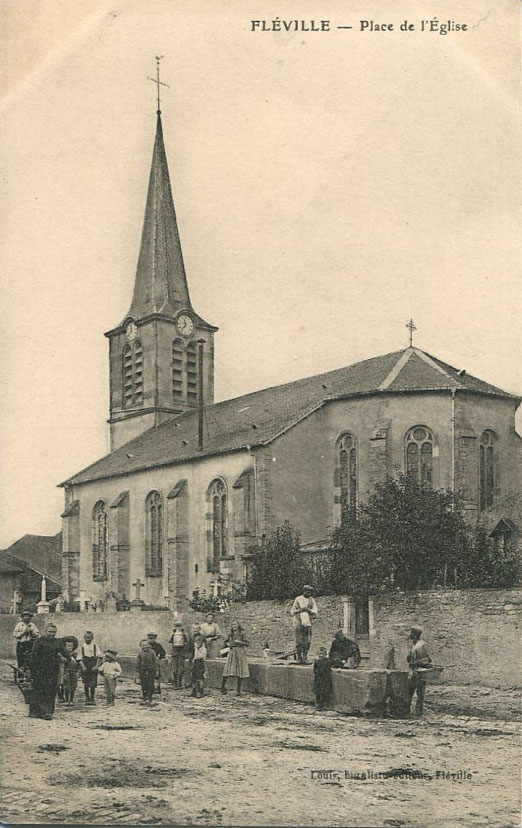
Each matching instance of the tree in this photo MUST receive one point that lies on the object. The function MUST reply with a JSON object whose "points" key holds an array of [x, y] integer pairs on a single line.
{"points": [[276, 565], [406, 537], [491, 563]]}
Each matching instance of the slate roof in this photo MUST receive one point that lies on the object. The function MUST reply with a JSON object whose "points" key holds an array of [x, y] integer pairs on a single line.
{"points": [[160, 285], [258, 418], [41, 553]]}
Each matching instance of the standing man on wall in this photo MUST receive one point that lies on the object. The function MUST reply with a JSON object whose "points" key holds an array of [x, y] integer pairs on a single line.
{"points": [[418, 660], [304, 610]]}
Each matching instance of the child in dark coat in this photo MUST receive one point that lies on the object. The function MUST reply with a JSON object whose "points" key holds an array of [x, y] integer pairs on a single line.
{"points": [[147, 669], [70, 671], [322, 679]]}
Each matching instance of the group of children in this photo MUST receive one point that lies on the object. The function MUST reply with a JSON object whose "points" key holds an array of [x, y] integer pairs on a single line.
{"points": [[89, 663], [202, 643]]}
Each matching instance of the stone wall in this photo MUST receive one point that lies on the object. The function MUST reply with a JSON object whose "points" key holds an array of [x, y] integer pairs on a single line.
{"points": [[474, 634], [262, 620]]}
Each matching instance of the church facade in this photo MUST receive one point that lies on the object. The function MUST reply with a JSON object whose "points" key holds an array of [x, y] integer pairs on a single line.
{"points": [[190, 486]]}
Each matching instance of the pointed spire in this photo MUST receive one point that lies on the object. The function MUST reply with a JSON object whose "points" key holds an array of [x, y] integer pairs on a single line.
{"points": [[161, 282]]}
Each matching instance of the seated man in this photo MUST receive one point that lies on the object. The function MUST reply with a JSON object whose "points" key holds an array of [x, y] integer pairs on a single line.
{"points": [[344, 652]]}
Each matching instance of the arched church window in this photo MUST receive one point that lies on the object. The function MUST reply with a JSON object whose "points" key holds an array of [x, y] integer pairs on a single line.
{"points": [[177, 369], [100, 542], [488, 472], [192, 373], [419, 455], [347, 459], [154, 539], [132, 373], [219, 511]]}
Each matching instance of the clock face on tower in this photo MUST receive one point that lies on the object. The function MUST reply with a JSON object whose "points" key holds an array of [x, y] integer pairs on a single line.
{"points": [[184, 324], [131, 330]]}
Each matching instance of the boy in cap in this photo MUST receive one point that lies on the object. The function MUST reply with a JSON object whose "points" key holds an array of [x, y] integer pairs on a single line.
{"points": [[70, 670], [199, 669], [322, 679], [110, 669], [160, 652], [147, 666], [179, 642], [304, 610], [419, 660], [26, 634], [90, 660]]}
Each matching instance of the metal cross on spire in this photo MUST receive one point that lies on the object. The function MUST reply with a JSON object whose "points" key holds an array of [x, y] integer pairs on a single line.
{"points": [[411, 327], [157, 81]]}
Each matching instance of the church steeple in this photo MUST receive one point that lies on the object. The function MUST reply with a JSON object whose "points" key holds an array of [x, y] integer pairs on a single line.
{"points": [[161, 281], [154, 368]]}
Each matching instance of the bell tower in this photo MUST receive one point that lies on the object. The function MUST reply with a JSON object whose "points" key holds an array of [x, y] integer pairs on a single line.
{"points": [[153, 352]]}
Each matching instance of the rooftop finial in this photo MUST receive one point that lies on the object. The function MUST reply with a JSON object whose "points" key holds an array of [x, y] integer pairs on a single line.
{"points": [[157, 81], [411, 327]]}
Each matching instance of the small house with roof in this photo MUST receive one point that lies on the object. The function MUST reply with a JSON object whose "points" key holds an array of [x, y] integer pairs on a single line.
{"points": [[23, 565]]}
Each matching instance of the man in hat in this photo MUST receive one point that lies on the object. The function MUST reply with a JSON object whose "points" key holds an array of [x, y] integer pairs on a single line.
{"points": [[47, 655], [304, 610], [160, 652], [418, 660], [344, 652], [26, 634]]}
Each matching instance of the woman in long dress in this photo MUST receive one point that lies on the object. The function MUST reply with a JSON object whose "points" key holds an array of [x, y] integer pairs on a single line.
{"points": [[236, 664], [47, 655], [212, 634]]}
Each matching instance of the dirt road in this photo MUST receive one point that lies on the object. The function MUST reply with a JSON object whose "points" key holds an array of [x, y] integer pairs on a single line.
{"points": [[253, 761]]}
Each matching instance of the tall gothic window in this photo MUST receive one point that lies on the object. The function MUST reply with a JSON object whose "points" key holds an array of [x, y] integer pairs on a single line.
{"points": [[132, 373], [419, 455], [154, 537], [192, 372], [219, 513], [487, 468], [100, 542], [347, 459], [177, 369]]}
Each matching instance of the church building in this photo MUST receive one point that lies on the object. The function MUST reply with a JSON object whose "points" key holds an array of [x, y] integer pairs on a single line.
{"points": [[190, 485]]}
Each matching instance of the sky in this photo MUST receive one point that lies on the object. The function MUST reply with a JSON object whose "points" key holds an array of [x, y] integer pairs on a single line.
{"points": [[328, 187]]}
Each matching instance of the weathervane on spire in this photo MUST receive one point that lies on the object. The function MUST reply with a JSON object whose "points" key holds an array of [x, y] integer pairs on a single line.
{"points": [[157, 81], [411, 327]]}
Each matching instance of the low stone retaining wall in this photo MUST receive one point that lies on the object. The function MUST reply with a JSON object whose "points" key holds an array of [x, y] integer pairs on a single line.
{"points": [[263, 621], [372, 693], [474, 634]]}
